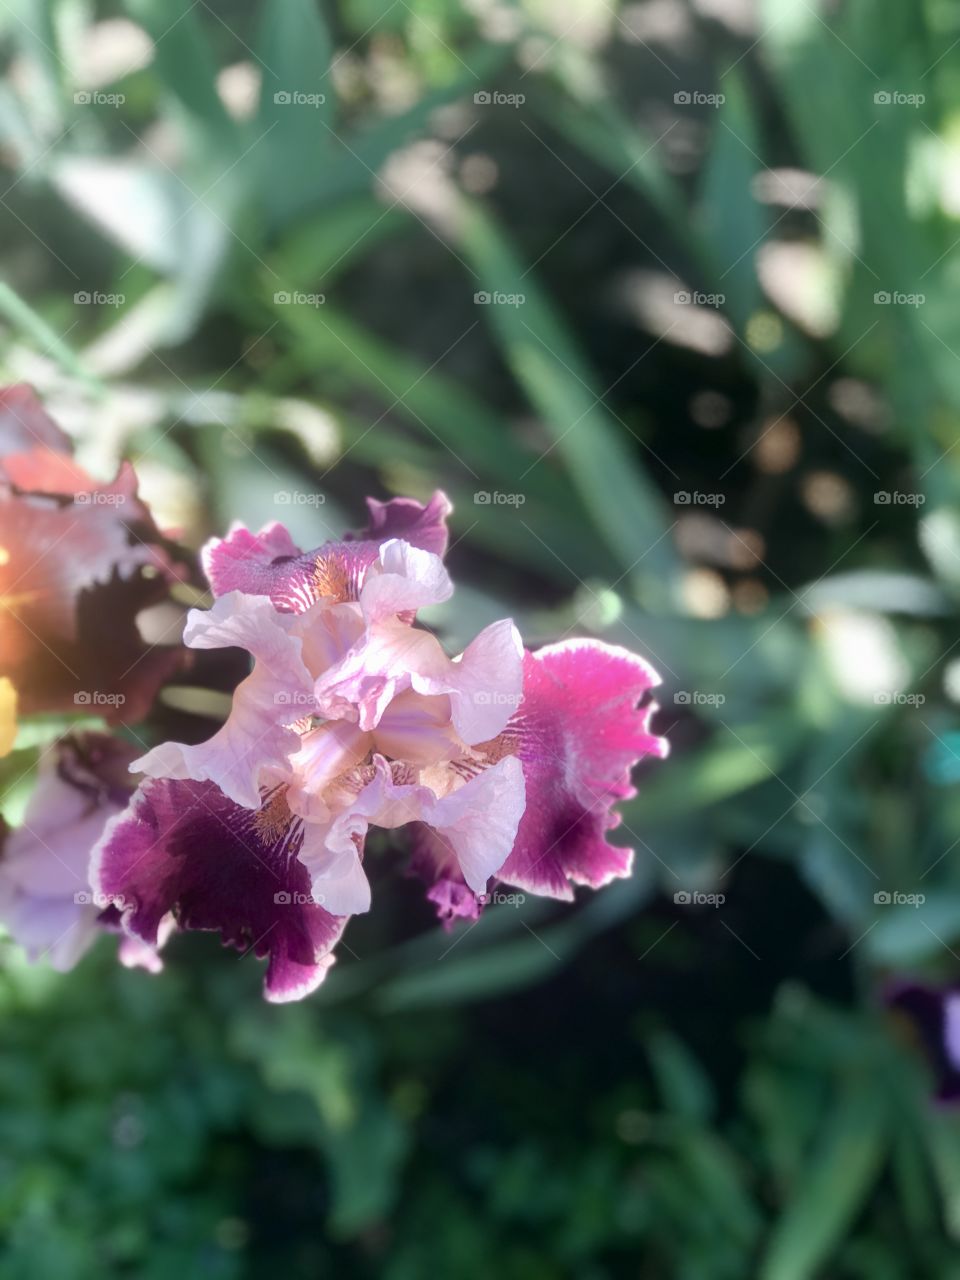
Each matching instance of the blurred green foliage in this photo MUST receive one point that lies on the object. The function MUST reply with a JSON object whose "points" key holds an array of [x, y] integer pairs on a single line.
{"points": [[735, 240]]}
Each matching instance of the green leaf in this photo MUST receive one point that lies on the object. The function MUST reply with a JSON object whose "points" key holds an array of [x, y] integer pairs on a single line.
{"points": [[23, 317], [296, 106], [840, 1175], [734, 221], [186, 65], [356, 160], [682, 1083], [624, 504], [906, 934], [473, 444], [721, 769]]}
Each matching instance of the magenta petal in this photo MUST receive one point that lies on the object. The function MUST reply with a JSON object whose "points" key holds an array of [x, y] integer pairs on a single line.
{"points": [[244, 561], [421, 526], [184, 847], [578, 732]]}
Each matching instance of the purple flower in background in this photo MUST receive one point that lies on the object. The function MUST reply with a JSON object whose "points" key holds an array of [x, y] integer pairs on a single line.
{"points": [[933, 1017], [352, 717], [46, 902]]}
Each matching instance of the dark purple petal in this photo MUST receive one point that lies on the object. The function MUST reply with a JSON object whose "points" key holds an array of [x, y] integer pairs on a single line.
{"points": [[183, 847], [421, 526], [579, 732]]}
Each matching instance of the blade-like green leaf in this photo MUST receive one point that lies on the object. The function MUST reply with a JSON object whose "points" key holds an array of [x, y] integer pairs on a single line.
{"points": [[624, 504]]}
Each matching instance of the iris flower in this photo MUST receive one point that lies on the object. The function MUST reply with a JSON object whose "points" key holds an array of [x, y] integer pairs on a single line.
{"points": [[504, 764]]}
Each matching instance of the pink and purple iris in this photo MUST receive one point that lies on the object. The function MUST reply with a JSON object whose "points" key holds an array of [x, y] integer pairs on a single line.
{"points": [[504, 765]]}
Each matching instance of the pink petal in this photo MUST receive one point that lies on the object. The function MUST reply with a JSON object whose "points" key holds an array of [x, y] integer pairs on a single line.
{"points": [[332, 859], [403, 579], [243, 561], [479, 820], [134, 953], [324, 754], [255, 738], [361, 684], [417, 729], [578, 732], [484, 684]]}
